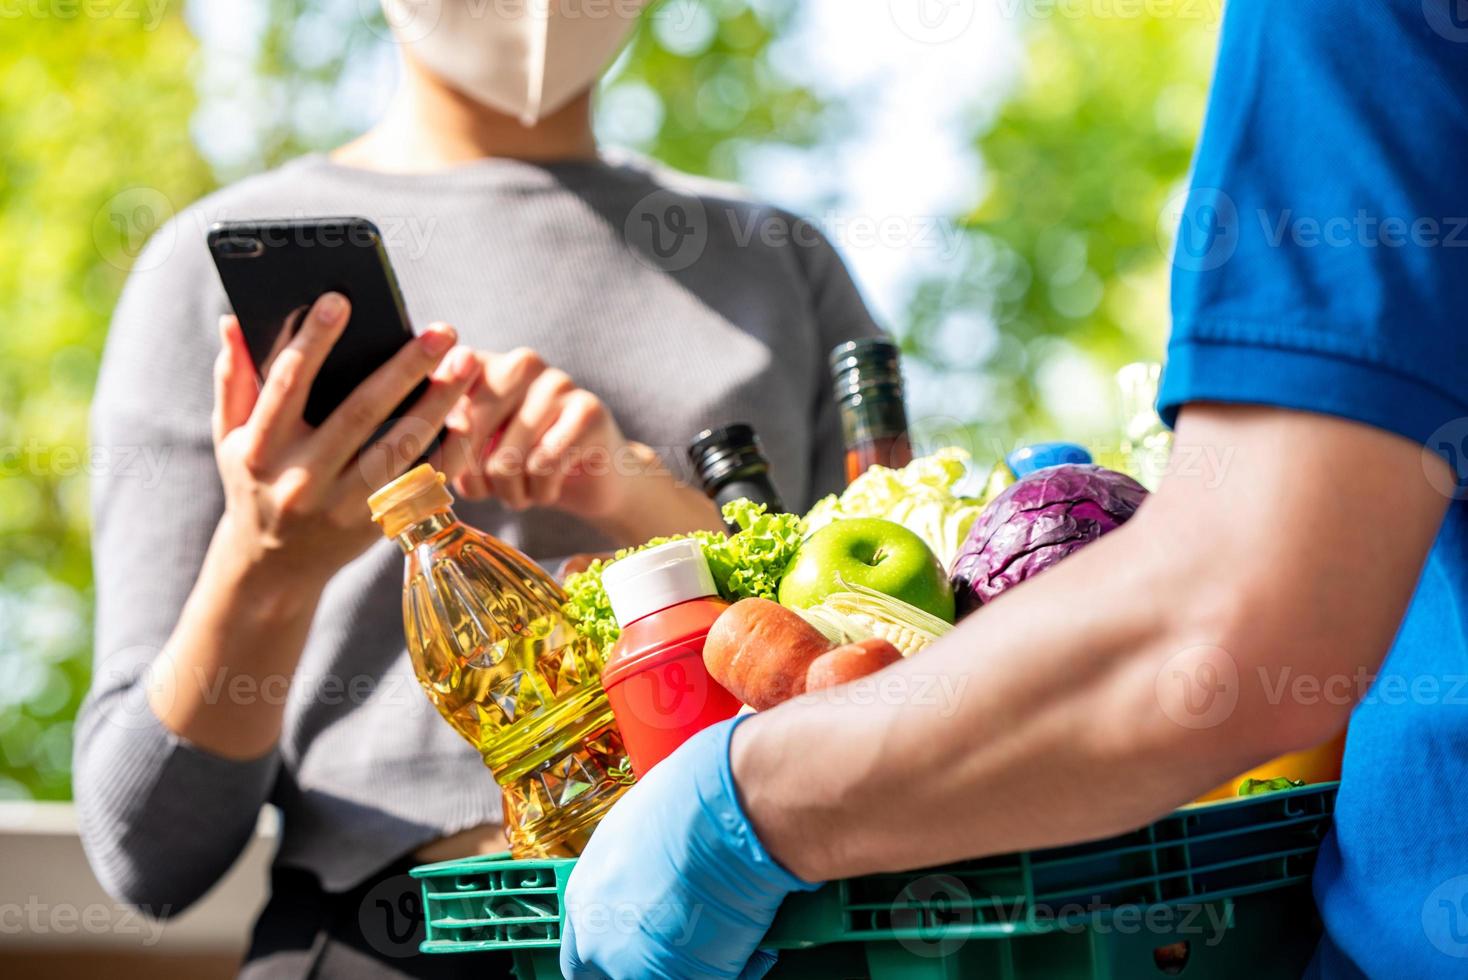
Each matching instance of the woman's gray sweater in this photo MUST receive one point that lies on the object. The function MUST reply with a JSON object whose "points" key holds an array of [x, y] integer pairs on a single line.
{"points": [[680, 304]]}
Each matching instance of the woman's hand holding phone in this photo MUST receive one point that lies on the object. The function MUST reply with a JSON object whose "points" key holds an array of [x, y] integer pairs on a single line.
{"points": [[295, 512], [515, 428], [295, 497]]}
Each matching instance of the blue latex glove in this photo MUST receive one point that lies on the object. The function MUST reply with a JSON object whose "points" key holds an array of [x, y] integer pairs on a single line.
{"points": [[674, 883]]}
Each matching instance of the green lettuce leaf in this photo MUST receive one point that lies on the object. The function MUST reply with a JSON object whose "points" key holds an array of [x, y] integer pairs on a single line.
{"points": [[1257, 787], [746, 565]]}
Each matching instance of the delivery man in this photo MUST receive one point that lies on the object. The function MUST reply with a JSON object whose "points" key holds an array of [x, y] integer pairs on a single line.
{"points": [[1318, 347]]}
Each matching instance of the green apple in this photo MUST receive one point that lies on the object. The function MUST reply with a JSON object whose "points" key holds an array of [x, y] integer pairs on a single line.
{"points": [[881, 555]]}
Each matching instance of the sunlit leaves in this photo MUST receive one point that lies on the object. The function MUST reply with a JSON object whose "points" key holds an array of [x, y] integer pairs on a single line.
{"points": [[94, 155]]}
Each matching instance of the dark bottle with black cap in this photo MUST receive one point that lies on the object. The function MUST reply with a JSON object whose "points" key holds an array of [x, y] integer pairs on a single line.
{"points": [[868, 380], [730, 464]]}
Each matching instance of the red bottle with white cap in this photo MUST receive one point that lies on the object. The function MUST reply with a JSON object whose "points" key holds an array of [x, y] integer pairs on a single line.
{"points": [[665, 601]]}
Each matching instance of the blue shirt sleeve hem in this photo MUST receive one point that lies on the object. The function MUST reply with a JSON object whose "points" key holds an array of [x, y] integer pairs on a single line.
{"points": [[1220, 370]]}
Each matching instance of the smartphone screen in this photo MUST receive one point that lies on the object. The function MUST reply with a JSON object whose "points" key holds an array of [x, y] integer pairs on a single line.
{"points": [[274, 270]]}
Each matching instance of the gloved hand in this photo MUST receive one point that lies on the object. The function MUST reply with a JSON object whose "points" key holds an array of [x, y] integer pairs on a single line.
{"points": [[674, 883]]}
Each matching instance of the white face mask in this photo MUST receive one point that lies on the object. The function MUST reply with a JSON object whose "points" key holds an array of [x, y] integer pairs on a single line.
{"points": [[525, 58]]}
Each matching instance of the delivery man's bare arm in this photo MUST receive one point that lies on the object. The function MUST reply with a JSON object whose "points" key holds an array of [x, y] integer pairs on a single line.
{"points": [[1130, 678]]}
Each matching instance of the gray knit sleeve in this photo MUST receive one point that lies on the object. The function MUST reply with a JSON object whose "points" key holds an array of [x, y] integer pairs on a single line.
{"points": [[161, 819], [840, 315]]}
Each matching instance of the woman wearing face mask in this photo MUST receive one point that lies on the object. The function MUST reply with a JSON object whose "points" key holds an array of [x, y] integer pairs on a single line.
{"points": [[249, 640]]}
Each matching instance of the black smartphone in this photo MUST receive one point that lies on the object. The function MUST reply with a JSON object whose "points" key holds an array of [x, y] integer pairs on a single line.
{"points": [[274, 270]]}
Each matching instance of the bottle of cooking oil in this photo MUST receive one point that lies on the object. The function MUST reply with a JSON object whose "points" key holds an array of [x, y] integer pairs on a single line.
{"points": [[506, 668]]}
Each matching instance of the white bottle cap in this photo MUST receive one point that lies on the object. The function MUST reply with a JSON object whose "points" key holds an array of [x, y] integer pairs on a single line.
{"points": [[642, 583]]}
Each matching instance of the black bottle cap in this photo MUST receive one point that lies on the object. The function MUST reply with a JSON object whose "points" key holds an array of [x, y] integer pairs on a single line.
{"points": [[867, 378], [721, 454], [871, 363]]}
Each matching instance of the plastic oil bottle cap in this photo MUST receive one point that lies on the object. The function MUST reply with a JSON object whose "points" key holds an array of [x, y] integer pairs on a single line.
{"points": [[643, 583], [409, 499]]}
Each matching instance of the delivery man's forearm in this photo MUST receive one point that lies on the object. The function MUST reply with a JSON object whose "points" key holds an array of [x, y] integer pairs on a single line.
{"points": [[1129, 679]]}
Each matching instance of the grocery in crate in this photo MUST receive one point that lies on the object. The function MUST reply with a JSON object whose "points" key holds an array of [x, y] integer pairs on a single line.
{"points": [[571, 694]]}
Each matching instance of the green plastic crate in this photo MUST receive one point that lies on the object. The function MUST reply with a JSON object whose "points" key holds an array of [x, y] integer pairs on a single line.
{"points": [[1064, 912], [1268, 935]]}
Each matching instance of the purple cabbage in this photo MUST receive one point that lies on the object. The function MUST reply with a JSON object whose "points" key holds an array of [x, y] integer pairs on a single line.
{"points": [[1036, 522]]}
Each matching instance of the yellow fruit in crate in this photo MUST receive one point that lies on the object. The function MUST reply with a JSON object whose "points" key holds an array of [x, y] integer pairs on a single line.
{"points": [[1322, 764]]}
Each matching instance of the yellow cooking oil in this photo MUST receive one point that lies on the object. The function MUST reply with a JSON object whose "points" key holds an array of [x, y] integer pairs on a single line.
{"points": [[505, 667]]}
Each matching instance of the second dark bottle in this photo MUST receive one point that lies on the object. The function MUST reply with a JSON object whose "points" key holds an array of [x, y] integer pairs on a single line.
{"points": [[730, 464], [867, 376]]}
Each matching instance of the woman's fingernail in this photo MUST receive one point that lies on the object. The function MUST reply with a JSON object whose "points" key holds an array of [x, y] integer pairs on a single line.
{"points": [[455, 365], [437, 341], [330, 308], [463, 364]]}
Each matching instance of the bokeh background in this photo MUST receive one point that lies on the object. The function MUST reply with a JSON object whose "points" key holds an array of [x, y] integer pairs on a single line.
{"points": [[996, 172]]}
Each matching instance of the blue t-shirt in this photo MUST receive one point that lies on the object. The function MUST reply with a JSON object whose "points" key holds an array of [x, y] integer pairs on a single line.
{"points": [[1322, 264]]}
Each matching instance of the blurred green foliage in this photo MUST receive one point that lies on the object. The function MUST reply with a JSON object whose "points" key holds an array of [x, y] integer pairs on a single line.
{"points": [[714, 86], [1066, 254], [95, 152], [94, 146], [695, 78]]}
